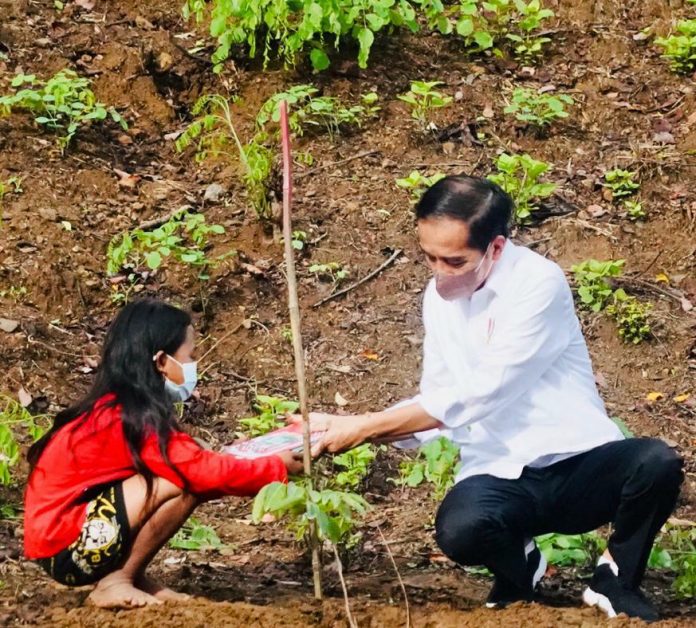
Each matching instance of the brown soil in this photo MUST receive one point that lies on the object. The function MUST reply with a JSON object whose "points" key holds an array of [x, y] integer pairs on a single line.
{"points": [[366, 345]]}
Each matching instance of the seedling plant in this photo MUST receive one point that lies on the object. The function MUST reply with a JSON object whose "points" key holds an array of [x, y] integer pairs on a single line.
{"points": [[622, 184], [333, 271], [183, 238], [519, 176], [418, 183], [596, 292], [62, 104], [271, 412], [538, 109], [312, 111], [214, 134], [423, 98], [355, 464]]}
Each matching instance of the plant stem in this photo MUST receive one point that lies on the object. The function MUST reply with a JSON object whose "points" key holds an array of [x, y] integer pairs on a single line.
{"points": [[339, 569], [295, 326]]}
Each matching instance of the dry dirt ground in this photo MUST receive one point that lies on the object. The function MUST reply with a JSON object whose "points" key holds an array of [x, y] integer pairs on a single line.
{"points": [[364, 346]]}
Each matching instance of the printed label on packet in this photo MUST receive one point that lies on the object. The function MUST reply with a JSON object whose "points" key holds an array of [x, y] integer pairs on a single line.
{"points": [[285, 439]]}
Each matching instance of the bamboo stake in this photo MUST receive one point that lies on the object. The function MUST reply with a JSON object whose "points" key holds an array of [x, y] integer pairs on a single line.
{"points": [[295, 326]]}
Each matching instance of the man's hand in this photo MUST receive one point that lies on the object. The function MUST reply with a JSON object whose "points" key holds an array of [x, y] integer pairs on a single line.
{"points": [[341, 432], [292, 461]]}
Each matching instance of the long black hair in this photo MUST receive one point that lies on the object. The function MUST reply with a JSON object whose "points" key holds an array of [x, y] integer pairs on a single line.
{"points": [[129, 373], [484, 206]]}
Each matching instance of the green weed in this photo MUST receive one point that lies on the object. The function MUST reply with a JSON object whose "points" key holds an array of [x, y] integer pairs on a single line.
{"points": [[355, 464], [437, 462], [680, 47], [564, 550], [196, 536], [632, 318], [17, 425], [675, 550]]}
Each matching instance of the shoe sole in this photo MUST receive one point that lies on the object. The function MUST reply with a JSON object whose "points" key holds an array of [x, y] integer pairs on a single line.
{"points": [[592, 598]]}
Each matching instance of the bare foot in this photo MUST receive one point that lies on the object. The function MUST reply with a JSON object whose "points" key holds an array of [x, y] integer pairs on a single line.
{"points": [[159, 591], [117, 591]]}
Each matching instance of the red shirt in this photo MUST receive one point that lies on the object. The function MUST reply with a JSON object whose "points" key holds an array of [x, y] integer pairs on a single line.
{"points": [[95, 452]]}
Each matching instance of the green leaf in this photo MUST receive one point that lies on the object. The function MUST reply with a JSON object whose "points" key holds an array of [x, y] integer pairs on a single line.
{"points": [[320, 60], [366, 38]]}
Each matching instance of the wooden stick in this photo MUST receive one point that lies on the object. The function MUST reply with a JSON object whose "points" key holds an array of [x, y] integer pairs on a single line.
{"points": [[295, 326], [367, 277]]}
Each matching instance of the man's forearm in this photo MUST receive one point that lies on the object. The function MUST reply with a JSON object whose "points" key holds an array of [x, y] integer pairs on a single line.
{"points": [[398, 422]]}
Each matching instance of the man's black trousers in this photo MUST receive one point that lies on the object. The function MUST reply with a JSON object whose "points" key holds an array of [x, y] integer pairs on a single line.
{"points": [[633, 484]]}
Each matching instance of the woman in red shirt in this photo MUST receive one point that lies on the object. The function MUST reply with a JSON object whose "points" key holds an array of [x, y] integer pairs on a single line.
{"points": [[115, 477]]}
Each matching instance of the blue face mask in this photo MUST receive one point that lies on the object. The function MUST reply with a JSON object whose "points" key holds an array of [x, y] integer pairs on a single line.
{"points": [[181, 392]]}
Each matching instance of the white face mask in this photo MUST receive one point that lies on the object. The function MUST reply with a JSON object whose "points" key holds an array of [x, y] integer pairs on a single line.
{"points": [[451, 287], [181, 392]]}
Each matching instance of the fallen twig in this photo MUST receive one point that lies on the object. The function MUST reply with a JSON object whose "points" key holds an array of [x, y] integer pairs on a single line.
{"points": [[225, 337], [157, 222], [398, 575], [365, 153], [366, 278]]}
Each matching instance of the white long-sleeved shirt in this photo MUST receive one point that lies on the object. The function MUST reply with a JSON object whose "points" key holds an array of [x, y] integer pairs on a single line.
{"points": [[507, 372]]}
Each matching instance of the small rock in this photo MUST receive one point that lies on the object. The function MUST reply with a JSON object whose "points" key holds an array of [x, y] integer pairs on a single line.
{"points": [[8, 325], [43, 42], [458, 95], [141, 22], [596, 211], [213, 192], [48, 213], [164, 61], [664, 137]]}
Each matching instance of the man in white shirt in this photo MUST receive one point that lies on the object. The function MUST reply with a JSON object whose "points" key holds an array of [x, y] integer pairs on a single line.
{"points": [[507, 377]]}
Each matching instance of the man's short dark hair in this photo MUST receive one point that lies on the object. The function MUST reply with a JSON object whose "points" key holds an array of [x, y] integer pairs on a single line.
{"points": [[478, 202]]}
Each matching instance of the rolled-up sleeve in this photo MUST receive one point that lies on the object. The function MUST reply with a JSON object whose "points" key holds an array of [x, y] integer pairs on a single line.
{"points": [[523, 346], [209, 473]]}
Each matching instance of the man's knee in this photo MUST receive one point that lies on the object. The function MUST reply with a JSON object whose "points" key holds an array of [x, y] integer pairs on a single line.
{"points": [[463, 534], [660, 464]]}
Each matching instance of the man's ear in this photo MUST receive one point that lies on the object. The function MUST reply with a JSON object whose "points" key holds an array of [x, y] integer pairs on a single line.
{"points": [[160, 359], [498, 246]]}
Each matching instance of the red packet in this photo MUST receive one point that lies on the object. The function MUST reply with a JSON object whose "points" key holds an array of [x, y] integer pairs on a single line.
{"points": [[285, 439]]}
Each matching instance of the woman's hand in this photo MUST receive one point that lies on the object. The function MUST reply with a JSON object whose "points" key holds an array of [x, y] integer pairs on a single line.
{"points": [[292, 461], [342, 432]]}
